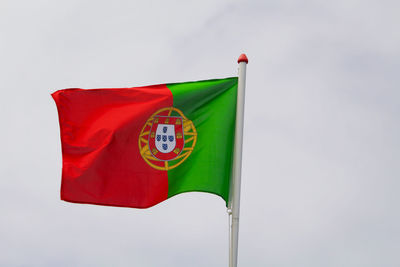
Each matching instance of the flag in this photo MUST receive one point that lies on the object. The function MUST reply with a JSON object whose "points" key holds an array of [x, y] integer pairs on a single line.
{"points": [[138, 146]]}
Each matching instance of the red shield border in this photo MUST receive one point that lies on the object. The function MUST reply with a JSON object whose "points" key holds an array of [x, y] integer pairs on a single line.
{"points": [[179, 137]]}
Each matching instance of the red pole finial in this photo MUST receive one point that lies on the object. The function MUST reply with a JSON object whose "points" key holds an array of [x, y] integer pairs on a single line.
{"points": [[243, 58]]}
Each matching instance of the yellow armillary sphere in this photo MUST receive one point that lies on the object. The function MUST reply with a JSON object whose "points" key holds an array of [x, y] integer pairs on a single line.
{"points": [[167, 139]]}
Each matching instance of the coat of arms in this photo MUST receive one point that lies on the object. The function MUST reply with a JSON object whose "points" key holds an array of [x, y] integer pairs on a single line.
{"points": [[167, 139]]}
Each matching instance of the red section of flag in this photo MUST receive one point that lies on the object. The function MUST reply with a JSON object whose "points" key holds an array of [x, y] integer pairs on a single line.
{"points": [[99, 135]]}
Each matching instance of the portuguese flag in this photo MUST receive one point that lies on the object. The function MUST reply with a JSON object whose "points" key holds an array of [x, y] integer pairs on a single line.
{"points": [[135, 147]]}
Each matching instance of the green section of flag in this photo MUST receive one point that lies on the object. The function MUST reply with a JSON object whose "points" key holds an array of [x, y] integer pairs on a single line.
{"points": [[211, 106]]}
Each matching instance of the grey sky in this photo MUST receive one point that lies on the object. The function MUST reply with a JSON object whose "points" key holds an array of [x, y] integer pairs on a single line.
{"points": [[321, 148]]}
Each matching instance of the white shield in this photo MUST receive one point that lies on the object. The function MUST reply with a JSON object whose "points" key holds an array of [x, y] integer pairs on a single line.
{"points": [[165, 138]]}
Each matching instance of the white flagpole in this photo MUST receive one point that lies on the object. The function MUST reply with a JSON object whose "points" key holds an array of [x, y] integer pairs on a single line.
{"points": [[234, 205]]}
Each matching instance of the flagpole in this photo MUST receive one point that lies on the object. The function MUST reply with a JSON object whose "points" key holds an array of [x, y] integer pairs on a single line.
{"points": [[234, 206]]}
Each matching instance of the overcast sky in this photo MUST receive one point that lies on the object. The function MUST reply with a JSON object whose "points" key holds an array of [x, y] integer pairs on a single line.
{"points": [[321, 168]]}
